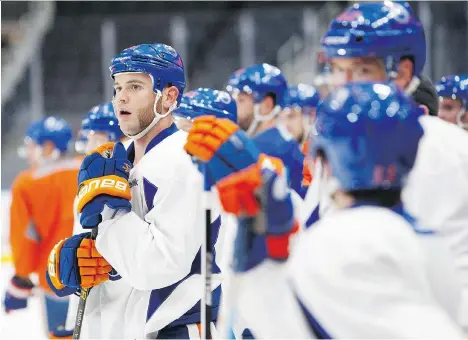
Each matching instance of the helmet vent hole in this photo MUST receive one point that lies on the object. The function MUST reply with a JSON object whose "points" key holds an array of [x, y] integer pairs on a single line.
{"points": [[359, 39]]}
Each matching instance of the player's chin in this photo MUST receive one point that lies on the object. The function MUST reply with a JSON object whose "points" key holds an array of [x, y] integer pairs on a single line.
{"points": [[129, 129]]}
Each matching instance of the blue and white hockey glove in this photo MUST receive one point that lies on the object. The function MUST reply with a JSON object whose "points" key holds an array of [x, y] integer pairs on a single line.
{"points": [[76, 263], [17, 294], [258, 191], [221, 146], [103, 181]]}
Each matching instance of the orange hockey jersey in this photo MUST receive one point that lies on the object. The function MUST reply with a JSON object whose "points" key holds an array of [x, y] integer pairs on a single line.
{"points": [[41, 214]]}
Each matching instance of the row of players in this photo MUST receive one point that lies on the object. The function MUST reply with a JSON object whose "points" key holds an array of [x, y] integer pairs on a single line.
{"points": [[364, 268]]}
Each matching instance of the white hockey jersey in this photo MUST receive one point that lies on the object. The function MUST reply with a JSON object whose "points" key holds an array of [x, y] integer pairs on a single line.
{"points": [[437, 195], [358, 273], [155, 248]]}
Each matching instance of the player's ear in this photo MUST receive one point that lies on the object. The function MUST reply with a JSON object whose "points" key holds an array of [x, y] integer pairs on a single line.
{"points": [[169, 97], [425, 109], [405, 73], [268, 103]]}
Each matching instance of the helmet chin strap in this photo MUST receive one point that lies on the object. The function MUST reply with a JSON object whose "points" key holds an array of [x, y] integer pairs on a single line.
{"points": [[412, 86], [156, 119], [258, 118]]}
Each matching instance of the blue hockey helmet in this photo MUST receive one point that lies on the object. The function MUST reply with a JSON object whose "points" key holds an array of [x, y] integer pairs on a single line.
{"points": [[388, 30], [304, 96], [101, 118], [259, 80], [369, 133], [54, 129], [161, 62], [455, 87], [206, 101]]}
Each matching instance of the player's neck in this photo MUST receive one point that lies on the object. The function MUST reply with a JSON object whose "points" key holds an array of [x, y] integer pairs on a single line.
{"points": [[141, 143], [343, 200]]}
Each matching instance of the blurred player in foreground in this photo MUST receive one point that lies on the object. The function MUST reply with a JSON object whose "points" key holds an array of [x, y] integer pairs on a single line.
{"points": [[149, 213], [41, 213], [453, 99], [385, 40], [360, 272]]}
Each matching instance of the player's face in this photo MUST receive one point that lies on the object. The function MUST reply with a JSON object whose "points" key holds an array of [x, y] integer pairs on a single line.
{"points": [[294, 121], [32, 152], [449, 109], [345, 70], [245, 109], [134, 101], [95, 139]]}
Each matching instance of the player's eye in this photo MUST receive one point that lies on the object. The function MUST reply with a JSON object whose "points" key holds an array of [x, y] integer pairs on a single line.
{"points": [[135, 87], [447, 107], [337, 69], [117, 88]]}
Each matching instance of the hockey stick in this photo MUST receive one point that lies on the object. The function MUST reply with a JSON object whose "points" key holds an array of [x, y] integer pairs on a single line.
{"points": [[206, 258], [83, 297]]}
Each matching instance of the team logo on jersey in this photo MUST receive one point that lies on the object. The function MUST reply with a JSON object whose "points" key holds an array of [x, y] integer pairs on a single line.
{"points": [[133, 182], [126, 167]]}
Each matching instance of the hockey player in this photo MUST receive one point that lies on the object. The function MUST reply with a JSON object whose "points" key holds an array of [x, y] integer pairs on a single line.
{"points": [[453, 99], [152, 239], [385, 40], [301, 102], [41, 214], [204, 101], [359, 273], [259, 91], [99, 126], [379, 40]]}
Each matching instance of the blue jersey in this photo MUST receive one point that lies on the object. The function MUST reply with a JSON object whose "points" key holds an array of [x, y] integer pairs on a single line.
{"points": [[278, 142]]}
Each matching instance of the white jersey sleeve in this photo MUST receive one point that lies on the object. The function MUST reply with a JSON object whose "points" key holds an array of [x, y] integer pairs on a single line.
{"points": [[437, 195], [360, 273]]}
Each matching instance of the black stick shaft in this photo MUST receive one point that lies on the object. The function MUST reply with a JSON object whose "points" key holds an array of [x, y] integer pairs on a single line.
{"points": [[82, 304], [208, 272]]}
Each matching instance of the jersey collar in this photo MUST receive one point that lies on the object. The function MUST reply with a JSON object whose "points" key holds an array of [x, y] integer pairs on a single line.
{"points": [[155, 141]]}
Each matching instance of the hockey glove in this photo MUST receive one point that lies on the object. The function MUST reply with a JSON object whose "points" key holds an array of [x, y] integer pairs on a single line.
{"points": [[17, 294], [260, 189], [75, 263], [103, 181], [221, 146]]}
